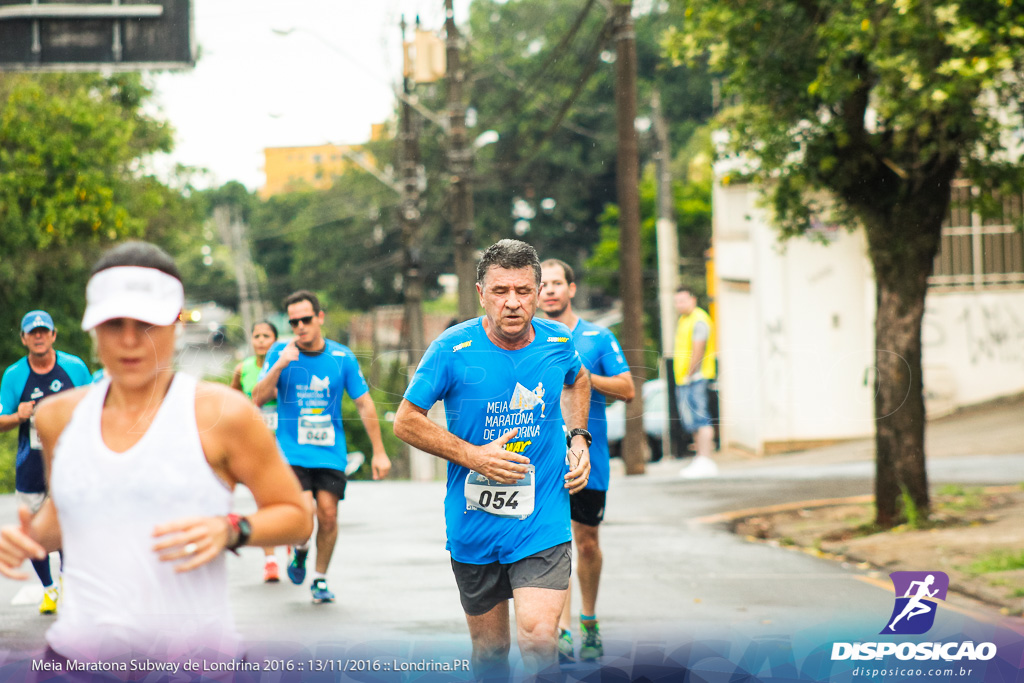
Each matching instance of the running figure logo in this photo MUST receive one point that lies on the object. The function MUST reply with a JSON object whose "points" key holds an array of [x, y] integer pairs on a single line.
{"points": [[524, 399], [916, 593]]}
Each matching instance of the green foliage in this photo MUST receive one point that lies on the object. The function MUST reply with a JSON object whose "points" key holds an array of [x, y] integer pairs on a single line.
{"points": [[8, 453], [386, 393], [70, 185], [863, 99], [915, 519], [998, 561], [863, 113], [692, 213], [958, 498], [543, 78]]}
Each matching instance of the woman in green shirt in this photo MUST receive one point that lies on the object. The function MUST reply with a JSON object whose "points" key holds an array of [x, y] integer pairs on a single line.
{"points": [[263, 334]]}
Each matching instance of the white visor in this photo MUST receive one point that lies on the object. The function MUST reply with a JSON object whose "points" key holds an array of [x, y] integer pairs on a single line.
{"points": [[145, 294]]}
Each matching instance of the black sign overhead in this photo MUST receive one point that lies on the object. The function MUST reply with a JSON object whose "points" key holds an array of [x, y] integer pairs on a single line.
{"points": [[78, 35]]}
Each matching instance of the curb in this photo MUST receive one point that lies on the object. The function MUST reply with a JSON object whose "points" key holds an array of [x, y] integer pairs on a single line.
{"points": [[978, 609]]}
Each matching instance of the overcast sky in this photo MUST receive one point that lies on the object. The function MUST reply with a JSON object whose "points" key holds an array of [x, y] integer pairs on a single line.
{"points": [[327, 80]]}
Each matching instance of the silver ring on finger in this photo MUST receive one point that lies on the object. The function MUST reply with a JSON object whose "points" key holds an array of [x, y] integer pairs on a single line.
{"points": [[191, 548]]}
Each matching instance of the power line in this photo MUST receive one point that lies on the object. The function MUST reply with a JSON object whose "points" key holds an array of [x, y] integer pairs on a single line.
{"points": [[588, 72], [530, 88], [340, 221]]}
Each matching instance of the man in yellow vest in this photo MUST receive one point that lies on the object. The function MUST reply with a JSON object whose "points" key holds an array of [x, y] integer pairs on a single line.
{"points": [[694, 366]]}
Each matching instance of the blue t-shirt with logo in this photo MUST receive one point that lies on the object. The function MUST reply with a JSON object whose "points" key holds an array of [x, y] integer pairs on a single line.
{"points": [[601, 355], [486, 392], [21, 384], [309, 392]]}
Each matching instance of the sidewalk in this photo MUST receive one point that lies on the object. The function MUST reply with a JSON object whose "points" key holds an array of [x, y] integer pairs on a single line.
{"points": [[975, 446], [992, 428]]}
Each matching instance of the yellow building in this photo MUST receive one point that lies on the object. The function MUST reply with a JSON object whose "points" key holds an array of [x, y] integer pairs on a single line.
{"points": [[308, 168]]}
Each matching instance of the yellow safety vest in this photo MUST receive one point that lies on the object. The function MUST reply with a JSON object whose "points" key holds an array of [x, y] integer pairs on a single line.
{"points": [[684, 347]]}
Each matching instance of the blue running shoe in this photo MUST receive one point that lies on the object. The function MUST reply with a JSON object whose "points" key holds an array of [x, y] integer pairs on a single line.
{"points": [[297, 567], [565, 649], [320, 592]]}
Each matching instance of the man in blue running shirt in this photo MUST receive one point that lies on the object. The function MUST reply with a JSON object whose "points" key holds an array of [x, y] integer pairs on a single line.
{"points": [[308, 376], [503, 377], [43, 372], [609, 377]]}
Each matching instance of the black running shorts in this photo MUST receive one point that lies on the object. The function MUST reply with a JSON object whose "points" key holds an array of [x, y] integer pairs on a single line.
{"points": [[321, 479], [482, 586], [587, 507]]}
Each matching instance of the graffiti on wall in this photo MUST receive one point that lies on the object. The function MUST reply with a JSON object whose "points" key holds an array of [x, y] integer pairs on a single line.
{"points": [[776, 368], [994, 333]]}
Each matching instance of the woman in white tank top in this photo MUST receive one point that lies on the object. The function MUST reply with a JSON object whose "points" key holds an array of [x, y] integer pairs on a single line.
{"points": [[141, 470]]}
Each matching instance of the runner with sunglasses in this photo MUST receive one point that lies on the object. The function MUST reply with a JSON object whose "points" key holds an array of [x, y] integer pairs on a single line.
{"points": [[308, 377]]}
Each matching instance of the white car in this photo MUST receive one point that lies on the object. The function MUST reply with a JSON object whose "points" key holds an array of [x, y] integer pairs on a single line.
{"points": [[655, 419]]}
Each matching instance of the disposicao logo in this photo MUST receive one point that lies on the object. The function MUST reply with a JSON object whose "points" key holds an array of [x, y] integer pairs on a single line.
{"points": [[913, 614], [916, 593]]}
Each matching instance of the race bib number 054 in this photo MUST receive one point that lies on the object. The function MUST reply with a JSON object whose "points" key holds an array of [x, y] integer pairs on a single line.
{"points": [[504, 500]]}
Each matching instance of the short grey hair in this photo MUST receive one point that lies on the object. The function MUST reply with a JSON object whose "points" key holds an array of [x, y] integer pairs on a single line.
{"points": [[511, 255]]}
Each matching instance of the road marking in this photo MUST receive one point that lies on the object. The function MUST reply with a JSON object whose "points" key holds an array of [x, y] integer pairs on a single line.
{"points": [[28, 595]]}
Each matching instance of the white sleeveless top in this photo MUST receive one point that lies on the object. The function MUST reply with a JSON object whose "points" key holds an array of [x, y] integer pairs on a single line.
{"points": [[119, 600]]}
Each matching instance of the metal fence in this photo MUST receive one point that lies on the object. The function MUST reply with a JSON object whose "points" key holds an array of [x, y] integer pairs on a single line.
{"points": [[980, 252]]}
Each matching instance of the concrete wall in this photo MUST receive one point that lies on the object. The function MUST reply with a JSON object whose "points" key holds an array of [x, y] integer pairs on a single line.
{"points": [[973, 345], [796, 334]]}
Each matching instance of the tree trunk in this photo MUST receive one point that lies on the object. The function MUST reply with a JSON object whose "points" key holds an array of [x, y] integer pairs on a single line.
{"points": [[900, 474], [903, 243]]}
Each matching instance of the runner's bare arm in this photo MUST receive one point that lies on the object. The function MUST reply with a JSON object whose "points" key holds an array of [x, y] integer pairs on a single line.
{"points": [[24, 412], [699, 346], [380, 463], [236, 378], [266, 389], [491, 460], [618, 387], [576, 403], [240, 449], [36, 535]]}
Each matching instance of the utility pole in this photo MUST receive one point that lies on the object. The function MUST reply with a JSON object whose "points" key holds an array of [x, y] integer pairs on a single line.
{"points": [[668, 248], [412, 277], [233, 233], [627, 185], [460, 166], [668, 240]]}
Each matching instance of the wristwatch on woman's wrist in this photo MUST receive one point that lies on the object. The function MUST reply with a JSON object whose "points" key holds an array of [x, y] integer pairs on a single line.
{"points": [[241, 530]]}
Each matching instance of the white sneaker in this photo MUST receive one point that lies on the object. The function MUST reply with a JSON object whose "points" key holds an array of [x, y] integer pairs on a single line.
{"points": [[702, 467]]}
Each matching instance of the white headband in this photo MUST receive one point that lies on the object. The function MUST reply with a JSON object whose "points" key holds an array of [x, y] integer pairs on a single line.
{"points": [[145, 294]]}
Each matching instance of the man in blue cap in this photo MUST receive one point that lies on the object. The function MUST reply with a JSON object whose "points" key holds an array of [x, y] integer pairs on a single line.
{"points": [[44, 371]]}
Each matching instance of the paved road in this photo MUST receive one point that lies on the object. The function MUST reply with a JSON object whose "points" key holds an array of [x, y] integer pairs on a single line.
{"points": [[668, 580]]}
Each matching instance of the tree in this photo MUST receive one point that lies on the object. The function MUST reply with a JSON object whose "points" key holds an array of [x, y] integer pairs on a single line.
{"points": [[870, 110], [70, 184], [543, 78], [692, 209]]}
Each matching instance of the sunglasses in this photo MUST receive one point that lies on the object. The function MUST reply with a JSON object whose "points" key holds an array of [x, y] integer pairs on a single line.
{"points": [[305, 320]]}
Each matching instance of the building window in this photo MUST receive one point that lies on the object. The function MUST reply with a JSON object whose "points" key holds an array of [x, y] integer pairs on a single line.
{"points": [[980, 252]]}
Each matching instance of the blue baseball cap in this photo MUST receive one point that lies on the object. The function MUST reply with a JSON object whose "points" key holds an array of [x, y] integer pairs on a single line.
{"points": [[34, 319]]}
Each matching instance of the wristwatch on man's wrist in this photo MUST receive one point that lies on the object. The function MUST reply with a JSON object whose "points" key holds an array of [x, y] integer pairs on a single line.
{"points": [[578, 432]]}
